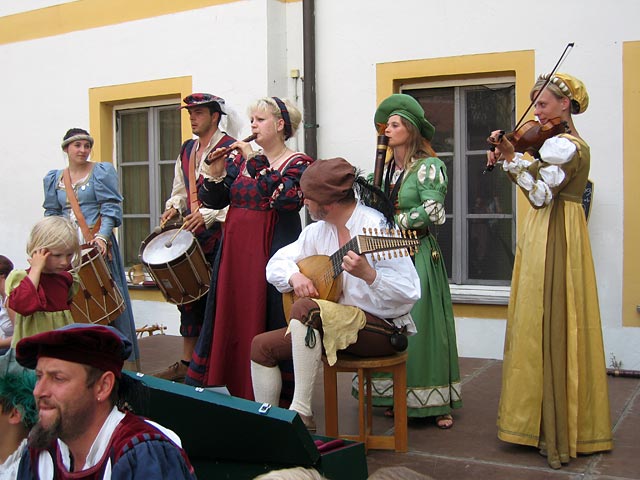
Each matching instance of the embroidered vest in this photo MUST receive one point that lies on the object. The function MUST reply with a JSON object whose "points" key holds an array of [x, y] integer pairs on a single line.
{"points": [[207, 237], [131, 431]]}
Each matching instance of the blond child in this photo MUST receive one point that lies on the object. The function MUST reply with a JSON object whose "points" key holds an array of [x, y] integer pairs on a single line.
{"points": [[40, 296]]}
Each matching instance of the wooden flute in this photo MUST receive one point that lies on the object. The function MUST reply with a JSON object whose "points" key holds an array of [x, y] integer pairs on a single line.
{"points": [[223, 152], [381, 156]]}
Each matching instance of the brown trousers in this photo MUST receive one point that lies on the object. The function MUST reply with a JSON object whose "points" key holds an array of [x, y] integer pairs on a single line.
{"points": [[271, 348]]}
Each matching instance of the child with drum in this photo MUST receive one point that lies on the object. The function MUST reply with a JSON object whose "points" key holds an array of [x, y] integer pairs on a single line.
{"points": [[40, 296]]}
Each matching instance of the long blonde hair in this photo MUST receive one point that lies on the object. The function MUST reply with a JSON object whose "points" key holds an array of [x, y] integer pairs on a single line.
{"points": [[54, 233]]}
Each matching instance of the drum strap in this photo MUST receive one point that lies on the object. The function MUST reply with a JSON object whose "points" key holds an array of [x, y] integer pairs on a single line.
{"points": [[193, 187], [73, 200]]}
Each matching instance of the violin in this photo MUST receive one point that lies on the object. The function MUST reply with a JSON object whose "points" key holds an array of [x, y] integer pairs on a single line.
{"points": [[530, 136]]}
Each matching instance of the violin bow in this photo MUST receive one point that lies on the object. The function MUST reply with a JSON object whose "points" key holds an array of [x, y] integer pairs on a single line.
{"points": [[562, 58]]}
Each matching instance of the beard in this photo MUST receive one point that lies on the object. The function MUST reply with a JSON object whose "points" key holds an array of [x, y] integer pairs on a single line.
{"points": [[319, 214], [68, 424], [41, 437]]}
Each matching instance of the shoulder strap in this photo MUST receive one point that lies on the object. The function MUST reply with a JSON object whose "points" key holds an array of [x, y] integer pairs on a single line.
{"points": [[225, 141], [187, 146], [73, 200], [193, 186]]}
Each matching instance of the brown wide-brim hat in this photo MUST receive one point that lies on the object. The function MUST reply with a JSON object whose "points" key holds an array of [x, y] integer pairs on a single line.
{"points": [[99, 346], [328, 181]]}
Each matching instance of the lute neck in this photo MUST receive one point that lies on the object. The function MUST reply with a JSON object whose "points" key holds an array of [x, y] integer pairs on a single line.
{"points": [[336, 258]]}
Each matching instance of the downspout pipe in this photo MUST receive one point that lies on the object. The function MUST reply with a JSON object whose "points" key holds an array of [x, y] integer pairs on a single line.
{"points": [[309, 78]]}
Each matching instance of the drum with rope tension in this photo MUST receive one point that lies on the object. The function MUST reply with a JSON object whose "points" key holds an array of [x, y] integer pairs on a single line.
{"points": [[177, 264], [98, 299]]}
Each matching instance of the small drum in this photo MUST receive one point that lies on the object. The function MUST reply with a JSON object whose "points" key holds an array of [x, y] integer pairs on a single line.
{"points": [[98, 300], [178, 265]]}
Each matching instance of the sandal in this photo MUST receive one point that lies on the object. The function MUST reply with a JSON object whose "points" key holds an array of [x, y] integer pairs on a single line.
{"points": [[389, 412], [444, 422]]}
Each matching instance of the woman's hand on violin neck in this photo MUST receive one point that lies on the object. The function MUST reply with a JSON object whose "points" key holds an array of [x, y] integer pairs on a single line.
{"points": [[496, 137], [492, 159], [502, 147]]}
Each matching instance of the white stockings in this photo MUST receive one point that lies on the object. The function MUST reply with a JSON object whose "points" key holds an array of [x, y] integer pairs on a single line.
{"points": [[267, 383], [305, 366]]}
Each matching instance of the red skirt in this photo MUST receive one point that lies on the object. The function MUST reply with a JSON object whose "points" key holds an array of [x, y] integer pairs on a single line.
{"points": [[241, 298]]}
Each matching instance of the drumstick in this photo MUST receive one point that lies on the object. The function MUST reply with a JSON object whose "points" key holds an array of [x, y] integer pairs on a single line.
{"points": [[169, 243], [158, 229]]}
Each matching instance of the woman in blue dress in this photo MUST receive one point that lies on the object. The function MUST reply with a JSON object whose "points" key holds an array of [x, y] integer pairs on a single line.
{"points": [[96, 187]]}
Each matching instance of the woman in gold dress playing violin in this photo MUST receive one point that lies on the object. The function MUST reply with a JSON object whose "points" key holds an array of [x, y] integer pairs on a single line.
{"points": [[554, 387]]}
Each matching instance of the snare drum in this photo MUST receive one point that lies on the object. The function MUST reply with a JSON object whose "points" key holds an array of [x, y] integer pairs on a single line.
{"points": [[179, 268], [98, 300]]}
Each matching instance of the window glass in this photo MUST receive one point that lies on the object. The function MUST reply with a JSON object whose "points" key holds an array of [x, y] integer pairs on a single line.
{"points": [[135, 189], [131, 240], [490, 250], [166, 181], [147, 145], [487, 107], [169, 133], [134, 130], [478, 238], [438, 104]]}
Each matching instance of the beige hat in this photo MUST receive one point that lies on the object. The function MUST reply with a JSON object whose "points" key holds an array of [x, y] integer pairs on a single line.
{"points": [[571, 87]]}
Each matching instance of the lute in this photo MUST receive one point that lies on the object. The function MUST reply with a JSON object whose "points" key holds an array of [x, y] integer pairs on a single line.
{"points": [[324, 270]]}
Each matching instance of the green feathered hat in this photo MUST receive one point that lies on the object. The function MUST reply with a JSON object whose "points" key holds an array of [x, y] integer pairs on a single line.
{"points": [[408, 108]]}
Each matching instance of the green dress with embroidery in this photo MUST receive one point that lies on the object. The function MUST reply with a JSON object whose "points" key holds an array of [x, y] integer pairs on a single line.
{"points": [[433, 375]]}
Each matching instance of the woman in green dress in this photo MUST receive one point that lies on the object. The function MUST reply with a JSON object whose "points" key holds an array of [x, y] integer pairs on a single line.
{"points": [[416, 182]]}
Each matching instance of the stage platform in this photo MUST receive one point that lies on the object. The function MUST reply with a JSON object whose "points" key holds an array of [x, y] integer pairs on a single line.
{"points": [[471, 448]]}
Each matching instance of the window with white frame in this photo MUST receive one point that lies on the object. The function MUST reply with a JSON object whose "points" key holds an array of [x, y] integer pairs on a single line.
{"points": [[148, 142], [478, 238]]}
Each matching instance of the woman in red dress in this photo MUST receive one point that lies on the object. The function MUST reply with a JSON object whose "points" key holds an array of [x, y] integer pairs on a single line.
{"points": [[262, 191]]}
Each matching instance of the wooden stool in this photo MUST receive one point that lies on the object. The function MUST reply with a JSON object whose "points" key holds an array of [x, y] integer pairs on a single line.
{"points": [[364, 366]]}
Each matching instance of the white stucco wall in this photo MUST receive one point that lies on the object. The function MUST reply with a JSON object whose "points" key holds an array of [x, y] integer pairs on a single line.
{"points": [[47, 92], [352, 39], [9, 7], [247, 49]]}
